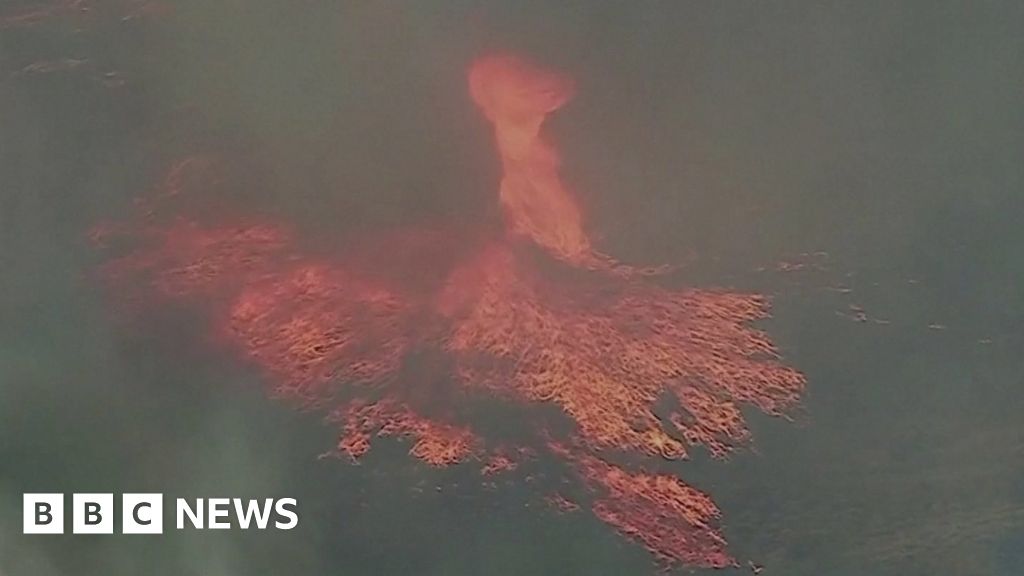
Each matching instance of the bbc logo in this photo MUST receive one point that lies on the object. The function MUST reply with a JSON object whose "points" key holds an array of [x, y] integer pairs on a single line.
{"points": [[144, 513], [92, 513]]}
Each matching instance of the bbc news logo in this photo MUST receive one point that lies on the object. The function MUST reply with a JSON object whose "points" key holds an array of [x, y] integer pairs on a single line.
{"points": [[143, 513]]}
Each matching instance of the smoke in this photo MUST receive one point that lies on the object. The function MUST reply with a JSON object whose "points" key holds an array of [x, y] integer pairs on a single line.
{"points": [[531, 315], [741, 132]]}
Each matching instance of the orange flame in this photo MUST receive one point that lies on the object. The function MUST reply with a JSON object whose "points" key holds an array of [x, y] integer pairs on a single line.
{"points": [[676, 522], [516, 97], [602, 345]]}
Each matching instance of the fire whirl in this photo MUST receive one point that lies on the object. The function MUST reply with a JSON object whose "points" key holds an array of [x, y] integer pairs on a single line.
{"points": [[534, 315]]}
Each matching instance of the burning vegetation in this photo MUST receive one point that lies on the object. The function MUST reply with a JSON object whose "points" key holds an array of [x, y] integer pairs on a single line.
{"points": [[534, 315]]}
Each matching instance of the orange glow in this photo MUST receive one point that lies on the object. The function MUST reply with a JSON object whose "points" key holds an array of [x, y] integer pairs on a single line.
{"points": [[516, 97], [437, 444], [561, 503], [675, 522], [536, 316], [607, 356], [500, 461]]}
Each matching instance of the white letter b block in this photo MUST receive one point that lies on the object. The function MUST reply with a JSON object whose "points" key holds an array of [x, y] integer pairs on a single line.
{"points": [[42, 513], [93, 514]]}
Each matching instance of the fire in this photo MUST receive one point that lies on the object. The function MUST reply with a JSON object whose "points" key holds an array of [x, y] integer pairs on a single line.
{"points": [[534, 316], [437, 444], [516, 97], [674, 521]]}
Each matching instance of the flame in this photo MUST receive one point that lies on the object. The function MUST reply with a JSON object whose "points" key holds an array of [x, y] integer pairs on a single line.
{"points": [[676, 522], [579, 331], [437, 444], [516, 97]]}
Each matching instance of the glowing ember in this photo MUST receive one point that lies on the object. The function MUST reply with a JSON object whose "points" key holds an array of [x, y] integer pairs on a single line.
{"points": [[389, 346], [436, 444], [561, 503], [499, 462], [673, 520]]}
